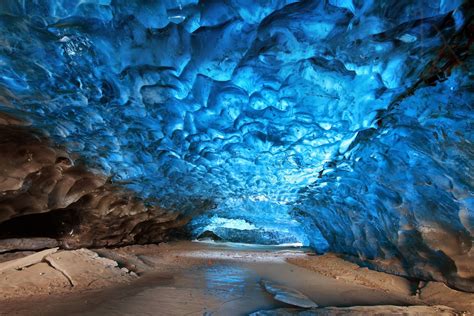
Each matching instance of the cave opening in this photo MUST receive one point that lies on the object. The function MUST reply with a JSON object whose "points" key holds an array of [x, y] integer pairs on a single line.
{"points": [[54, 224]]}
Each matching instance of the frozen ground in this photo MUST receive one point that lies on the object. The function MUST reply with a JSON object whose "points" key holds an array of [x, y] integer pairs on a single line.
{"points": [[218, 279]]}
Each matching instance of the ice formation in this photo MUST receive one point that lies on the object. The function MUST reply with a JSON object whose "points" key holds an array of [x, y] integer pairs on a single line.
{"points": [[346, 125]]}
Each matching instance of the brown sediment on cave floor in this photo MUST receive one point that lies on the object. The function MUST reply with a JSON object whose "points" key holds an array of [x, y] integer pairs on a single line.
{"points": [[45, 193], [194, 278]]}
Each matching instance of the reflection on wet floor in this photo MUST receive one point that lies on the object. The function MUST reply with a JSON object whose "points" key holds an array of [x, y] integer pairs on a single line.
{"points": [[233, 288], [229, 279], [216, 281], [220, 289]]}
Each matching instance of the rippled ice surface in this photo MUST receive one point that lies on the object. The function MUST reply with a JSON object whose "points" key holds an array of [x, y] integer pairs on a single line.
{"points": [[280, 112]]}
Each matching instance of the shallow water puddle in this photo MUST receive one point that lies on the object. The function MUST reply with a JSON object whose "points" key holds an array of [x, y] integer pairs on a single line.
{"points": [[233, 288], [213, 281]]}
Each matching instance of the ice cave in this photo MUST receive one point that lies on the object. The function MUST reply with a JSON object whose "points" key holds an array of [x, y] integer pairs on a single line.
{"points": [[337, 131]]}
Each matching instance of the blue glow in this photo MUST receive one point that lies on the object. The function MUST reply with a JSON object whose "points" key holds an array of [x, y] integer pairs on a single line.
{"points": [[281, 112], [255, 220]]}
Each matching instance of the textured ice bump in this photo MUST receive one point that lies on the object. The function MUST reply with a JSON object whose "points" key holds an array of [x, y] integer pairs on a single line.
{"points": [[405, 193], [256, 220], [321, 122]]}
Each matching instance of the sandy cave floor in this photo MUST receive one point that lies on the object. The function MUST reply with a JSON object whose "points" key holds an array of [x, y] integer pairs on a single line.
{"points": [[186, 278]]}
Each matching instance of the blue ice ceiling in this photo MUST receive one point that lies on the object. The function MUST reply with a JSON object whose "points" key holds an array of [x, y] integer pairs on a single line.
{"points": [[302, 119]]}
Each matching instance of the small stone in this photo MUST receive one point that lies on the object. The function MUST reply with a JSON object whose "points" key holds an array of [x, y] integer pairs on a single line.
{"points": [[288, 295]]}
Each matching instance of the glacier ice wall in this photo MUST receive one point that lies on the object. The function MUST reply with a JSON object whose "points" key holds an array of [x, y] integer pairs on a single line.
{"points": [[404, 191], [309, 121]]}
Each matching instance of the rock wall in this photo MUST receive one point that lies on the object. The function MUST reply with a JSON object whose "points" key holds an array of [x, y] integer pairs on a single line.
{"points": [[44, 194]]}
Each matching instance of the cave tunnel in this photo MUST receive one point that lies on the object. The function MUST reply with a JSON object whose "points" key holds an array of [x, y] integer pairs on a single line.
{"points": [[336, 126]]}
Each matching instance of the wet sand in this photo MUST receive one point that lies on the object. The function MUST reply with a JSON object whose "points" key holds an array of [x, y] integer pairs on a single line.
{"points": [[205, 279]]}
